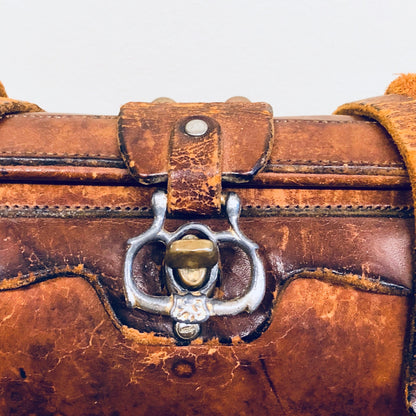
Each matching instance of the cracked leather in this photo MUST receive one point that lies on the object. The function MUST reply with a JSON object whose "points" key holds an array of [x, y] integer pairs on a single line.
{"points": [[331, 211], [195, 171]]}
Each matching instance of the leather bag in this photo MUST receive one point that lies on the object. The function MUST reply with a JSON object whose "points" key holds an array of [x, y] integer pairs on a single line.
{"points": [[208, 259]]}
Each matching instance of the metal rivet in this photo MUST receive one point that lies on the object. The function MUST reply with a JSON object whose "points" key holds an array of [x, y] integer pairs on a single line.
{"points": [[238, 99], [187, 332], [196, 127], [163, 100]]}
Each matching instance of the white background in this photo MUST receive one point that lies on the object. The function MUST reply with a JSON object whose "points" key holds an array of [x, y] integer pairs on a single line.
{"points": [[301, 56]]}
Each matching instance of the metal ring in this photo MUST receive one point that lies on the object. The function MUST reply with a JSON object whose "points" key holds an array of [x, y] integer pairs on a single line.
{"points": [[188, 307]]}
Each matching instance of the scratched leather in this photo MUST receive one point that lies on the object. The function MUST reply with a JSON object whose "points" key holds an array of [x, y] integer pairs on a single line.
{"points": [[331, 204], [330, 350], [194, 178], [145, 134], [351, 144], [44, 247]]}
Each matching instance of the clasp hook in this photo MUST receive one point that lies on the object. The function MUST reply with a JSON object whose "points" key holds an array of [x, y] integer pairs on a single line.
{"points": [[191, 268]]}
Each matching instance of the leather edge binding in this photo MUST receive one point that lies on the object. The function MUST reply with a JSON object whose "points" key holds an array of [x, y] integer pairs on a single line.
{"points": [[332, 277]]}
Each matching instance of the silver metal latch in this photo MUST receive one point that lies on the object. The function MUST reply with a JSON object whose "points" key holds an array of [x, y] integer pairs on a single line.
{"points": [[192, 270]]}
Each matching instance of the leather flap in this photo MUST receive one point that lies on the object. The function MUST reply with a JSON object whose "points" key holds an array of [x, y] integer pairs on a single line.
{"points": [[145, 130]]}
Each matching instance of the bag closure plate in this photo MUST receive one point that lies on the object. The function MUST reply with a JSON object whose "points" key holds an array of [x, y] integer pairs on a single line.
{"points": [[194, 147]]}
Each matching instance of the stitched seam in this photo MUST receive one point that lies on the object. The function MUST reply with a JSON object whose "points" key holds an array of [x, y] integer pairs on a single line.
{"points": [[62, 155], [76, 207], [43, 115], [247, 207], [331, 207], [351, 163], [326, 121], [327, 276], [58, 116]]}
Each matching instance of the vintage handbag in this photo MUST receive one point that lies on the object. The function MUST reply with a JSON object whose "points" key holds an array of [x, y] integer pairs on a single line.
{"points": [[208, 259]]}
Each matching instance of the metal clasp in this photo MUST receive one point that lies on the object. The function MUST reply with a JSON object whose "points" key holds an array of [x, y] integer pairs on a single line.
{"points": [[191, 268]]}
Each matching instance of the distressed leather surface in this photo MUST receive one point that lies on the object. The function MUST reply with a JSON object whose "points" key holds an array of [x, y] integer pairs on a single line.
{"points": [[327, 342], [396, 113], [330, 350], [42, 248], [195, 171], [333, 151], [332, 215], [11, 106], [145, 131]]}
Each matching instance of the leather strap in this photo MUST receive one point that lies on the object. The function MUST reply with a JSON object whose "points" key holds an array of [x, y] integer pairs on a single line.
{"points": [[11, 106], [194, 178], [157, 149], [2, 90], [397, 114]]}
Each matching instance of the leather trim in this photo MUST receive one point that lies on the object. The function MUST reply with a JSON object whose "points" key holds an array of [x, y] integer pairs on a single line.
{"points": [[72, 135], [36, 211], [145, 129], [330, 151], [95, 171], [61, 200], [365, 284], [360, 283]]}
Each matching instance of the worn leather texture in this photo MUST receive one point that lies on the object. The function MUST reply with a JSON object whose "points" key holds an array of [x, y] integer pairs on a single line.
{"points": [[330, 350], [195, 171], [396, 113], [12, 106], [333, 151], [144, 131], [330, 208]]}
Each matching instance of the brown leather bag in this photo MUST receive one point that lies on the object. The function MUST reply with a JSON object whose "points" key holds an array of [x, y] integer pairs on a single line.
{"points": [[131, 283]]}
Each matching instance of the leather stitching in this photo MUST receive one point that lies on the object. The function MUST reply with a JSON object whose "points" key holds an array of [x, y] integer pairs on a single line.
{"points": [[8, 152], [247, 210], [58, 116], [351, 163], [276, 120]]}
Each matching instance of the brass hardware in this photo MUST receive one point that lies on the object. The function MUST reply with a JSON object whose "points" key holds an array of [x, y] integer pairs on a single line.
{"points": [[191, 257], [163, 100], [223, 199], [191, 253], [238, 99], [192, 278]]}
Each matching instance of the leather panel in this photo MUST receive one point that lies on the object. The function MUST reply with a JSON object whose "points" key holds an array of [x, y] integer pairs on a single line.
{"points": [[35, 249], [129, 200], [325, 151], [59, 135], [74, 361], [342, 139]]}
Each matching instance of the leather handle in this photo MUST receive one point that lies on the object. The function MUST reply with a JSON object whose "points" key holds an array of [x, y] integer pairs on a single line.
{"points": [[2, 90], [11, 106], [396, 112]]}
